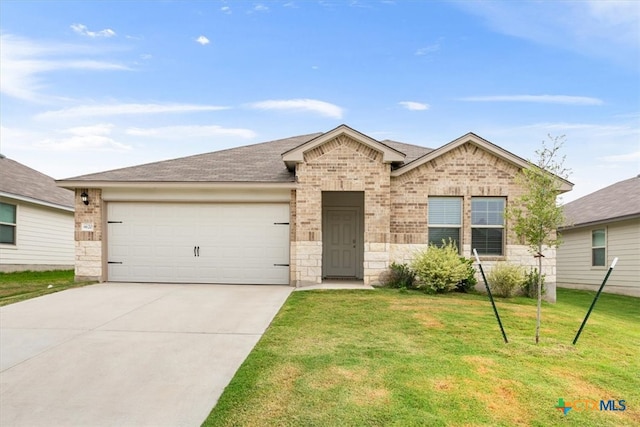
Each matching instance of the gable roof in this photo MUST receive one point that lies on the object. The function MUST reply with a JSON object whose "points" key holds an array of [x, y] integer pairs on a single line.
{"points": [[250, 163], [296, 155], [257, 163], [20, 182], [262, 164], [613, 203], [482, 143]]}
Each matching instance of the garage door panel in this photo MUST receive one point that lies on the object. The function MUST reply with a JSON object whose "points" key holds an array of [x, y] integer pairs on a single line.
{"points": [[238, 243]]}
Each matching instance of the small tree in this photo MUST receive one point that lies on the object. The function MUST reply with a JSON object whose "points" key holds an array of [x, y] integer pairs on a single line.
{"points": [[536, 214]]}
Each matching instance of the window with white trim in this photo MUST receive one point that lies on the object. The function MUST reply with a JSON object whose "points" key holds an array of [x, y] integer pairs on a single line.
{"points": [[7, 224], [487, 225], [445, 220], [599, 247]]}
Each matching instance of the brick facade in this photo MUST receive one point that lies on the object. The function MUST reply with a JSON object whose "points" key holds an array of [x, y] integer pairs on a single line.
{"points": [[341, 164], [88, 244], [466, 171], [394, 222]]}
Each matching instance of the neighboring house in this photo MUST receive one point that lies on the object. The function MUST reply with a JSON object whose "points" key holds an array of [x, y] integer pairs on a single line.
{"points": [[600, 227], [334, 205], [36, 220]]}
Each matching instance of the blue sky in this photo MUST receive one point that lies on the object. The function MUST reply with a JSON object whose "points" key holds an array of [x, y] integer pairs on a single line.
{"points": [[88, 86]]}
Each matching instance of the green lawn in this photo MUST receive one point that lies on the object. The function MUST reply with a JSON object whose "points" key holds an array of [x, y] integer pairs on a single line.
{"points": [[23, 285], [392, 358]]}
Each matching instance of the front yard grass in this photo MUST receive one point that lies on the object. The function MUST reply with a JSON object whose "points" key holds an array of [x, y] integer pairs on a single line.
{"points": [[393, 358], [23, 285]]}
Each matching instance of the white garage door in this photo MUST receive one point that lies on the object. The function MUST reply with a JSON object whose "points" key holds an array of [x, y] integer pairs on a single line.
{"points": [[198, 242]]}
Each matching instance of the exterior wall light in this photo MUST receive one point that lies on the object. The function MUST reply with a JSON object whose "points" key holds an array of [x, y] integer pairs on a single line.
{"points": [[85, 197]]}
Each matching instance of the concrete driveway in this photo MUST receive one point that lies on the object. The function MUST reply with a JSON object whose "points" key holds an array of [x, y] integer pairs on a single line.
{"points": [[121, 354]]}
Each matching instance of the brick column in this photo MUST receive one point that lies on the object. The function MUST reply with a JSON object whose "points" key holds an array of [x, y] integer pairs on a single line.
{"points": [[88, 236]]}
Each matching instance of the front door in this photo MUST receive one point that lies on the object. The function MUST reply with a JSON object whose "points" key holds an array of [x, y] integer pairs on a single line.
{"points": [[340, 242]]}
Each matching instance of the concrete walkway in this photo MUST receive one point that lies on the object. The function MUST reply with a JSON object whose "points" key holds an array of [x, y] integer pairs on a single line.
{"points": [[123, 354]]}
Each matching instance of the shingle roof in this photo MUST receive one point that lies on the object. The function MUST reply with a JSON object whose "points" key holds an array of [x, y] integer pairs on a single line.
{"points": [[252, 163], [412, 152], [617, 201], [19, 180]]}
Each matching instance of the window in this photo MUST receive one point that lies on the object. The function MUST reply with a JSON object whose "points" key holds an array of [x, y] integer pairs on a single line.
{"points": [[7, 223], [598, 247], [445, 220], [487, 225]]}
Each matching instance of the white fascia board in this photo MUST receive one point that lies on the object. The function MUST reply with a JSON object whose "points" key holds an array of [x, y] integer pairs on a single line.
{"points": [[72, 184], [483, 144], [296, 155]]}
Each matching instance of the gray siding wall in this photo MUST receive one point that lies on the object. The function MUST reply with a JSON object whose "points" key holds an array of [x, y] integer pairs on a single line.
{"points": [[44, 237], [574, 258]]}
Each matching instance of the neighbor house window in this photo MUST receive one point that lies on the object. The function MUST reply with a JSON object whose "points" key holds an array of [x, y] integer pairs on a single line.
{"points": [[445, 220], [598, 247], [7, 223], [487, 225]]}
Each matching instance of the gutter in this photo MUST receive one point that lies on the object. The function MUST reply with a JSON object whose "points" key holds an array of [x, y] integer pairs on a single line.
{"points": [[37, 201], [73, 184], [599, 222]]}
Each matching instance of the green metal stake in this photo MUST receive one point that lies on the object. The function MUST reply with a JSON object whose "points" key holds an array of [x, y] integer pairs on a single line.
{"points": [[495, 310], [613, 264]]}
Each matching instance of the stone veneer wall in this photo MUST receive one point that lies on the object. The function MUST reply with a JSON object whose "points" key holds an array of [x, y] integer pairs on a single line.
{"points": [[466, 171], [341, 164], [88, 244]]}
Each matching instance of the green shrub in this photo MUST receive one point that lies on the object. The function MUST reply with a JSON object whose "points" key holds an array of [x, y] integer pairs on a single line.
{"points": [[504, 279], [468, 283], [400, 276], [439, 268], [530, 285]]}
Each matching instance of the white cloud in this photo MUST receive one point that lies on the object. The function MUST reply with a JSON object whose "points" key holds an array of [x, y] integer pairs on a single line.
{"points": [[260, 8], [311, 105], [226, 9], [182, 132], [545, 99], [83, 30], [203, 40], [24, 62], [601, 136], [414, 106], [84, 138], [427, 49], [122, 109]]}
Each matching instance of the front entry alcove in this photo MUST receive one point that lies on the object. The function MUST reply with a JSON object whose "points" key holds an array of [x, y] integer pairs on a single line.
{"points": [[342, 234]]}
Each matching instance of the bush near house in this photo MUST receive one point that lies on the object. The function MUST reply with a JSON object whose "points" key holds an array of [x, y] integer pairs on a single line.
{"points": [[437, 269], [530, 286], [441, 269], [469, 282], [400, 276], [505, 279]]}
